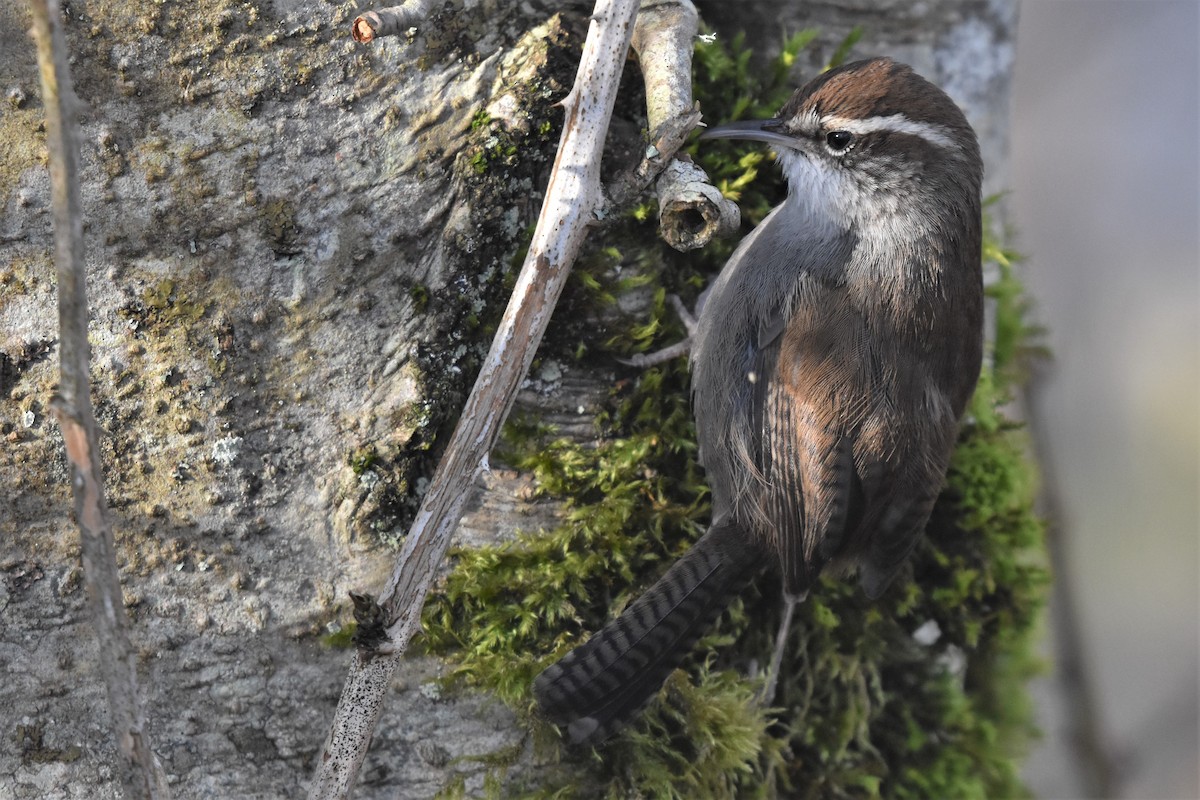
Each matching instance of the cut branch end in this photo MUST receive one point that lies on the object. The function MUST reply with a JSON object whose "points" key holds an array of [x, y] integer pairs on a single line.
{"points": [[363, 31]]}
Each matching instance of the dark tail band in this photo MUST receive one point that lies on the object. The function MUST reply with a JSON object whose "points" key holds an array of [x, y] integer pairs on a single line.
{"points": [[597, 687]]}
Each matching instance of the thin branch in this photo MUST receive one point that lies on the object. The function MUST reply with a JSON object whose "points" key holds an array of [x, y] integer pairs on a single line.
{"points": [[680, 348], [140, 773], [572, 199], [668, 353]]}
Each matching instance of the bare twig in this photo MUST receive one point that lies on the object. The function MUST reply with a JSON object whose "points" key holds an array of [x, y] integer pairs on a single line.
{"points": [[690, 209], [680, 348], [572, 199], [668, 353], [390, 21], [141, 775]]}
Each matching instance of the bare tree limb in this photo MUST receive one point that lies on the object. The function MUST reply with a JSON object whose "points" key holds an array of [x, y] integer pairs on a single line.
{"points": [[572, 200], [141, 775]]}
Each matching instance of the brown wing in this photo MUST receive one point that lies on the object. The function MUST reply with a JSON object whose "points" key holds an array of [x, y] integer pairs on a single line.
{"points": [[816, 387], [901, 453]]}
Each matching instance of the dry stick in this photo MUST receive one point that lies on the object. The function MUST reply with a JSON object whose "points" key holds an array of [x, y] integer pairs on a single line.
{"points": [[140, 773], [572, 197]]}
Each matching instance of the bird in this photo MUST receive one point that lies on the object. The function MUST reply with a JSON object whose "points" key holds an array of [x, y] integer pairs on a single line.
{"points": [[831, 363]]}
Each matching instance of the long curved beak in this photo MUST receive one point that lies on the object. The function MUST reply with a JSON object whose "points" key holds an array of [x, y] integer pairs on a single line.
{"points": [[759, 130]]}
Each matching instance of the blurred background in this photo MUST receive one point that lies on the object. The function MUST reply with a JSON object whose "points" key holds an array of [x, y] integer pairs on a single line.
{"points": [[1106, 206]]}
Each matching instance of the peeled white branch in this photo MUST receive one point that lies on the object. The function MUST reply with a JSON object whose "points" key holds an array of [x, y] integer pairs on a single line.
{"points": [[572, 200]]}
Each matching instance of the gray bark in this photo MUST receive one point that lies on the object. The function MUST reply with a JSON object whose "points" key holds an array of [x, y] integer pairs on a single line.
{"points": [[288, 249]]}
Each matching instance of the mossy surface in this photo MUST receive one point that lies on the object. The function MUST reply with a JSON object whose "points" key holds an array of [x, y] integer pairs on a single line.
{"points": [[865, 708]]}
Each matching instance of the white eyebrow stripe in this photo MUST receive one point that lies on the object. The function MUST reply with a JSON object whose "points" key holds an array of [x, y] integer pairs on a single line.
{"points": [[893, 123]]}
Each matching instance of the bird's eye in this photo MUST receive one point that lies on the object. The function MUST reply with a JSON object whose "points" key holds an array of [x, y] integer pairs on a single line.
{"points": [[839, 141]]}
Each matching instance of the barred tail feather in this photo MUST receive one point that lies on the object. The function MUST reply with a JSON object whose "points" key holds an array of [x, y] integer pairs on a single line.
{"points": [[597, 687]]}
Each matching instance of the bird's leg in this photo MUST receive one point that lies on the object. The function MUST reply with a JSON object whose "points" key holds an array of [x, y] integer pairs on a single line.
{"points": [[677, 349], [790, 601]]}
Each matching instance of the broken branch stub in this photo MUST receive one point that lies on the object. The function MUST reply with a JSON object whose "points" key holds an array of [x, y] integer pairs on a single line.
{"points": [[389, 21], [691, 210]]}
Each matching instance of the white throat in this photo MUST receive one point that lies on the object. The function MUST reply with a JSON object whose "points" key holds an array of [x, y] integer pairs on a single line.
{"points": [[815, 195]]}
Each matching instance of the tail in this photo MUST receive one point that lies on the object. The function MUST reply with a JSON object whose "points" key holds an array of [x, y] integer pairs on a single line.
{"points": [[594, 689]]}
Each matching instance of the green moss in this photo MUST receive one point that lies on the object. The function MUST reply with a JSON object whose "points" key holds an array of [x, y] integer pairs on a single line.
{"points": [[341, 639], [481, 120], [737, 751], [419, 294], [21, 146], [864, 710], [167, 303], [498, 148], [362, 459]]}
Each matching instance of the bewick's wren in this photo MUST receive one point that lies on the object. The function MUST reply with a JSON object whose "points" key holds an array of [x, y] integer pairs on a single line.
{"points": [[832, 361]]}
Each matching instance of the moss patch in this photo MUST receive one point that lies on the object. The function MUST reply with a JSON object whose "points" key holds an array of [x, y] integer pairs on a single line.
{"points": [[22, 145]]}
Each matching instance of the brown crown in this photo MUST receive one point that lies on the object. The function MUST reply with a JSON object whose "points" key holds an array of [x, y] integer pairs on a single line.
{"points": [[875, 87]]}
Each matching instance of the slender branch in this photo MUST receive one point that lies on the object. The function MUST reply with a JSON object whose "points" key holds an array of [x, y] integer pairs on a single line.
{"points": [[140, 773], [572, 199], [680, 348]]}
